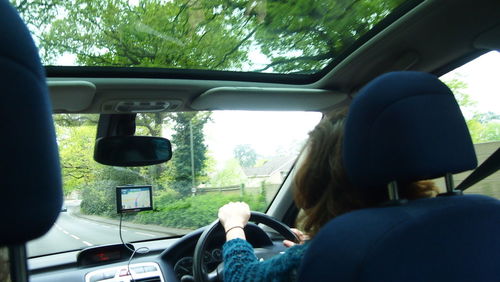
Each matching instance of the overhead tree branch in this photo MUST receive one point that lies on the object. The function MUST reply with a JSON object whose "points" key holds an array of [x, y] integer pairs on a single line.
{"points": [[295, 59], [235, 48]]}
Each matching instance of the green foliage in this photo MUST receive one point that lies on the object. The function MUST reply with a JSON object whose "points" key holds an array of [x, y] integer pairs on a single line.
{"points": [[232, 174], [76, 146], [245, 154], [195, 212], [151, 33], [464, 100], [483, 127], [295, 36], [306, 35], [99, 198], [179, 176], [76, 137], [165, 197]]}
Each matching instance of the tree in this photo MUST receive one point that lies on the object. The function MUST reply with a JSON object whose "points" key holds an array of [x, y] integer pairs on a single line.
{"points": [[295, 36], [152, 33], [70, 120], [231, 174], [245, 154], [76, 146], [37, 13], [487, 117], [464, 100], [180, 173], [483, 127], [304, 36]]}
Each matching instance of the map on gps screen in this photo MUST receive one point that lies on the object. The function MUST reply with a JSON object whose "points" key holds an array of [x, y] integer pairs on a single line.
{"points": [[136, 198]]}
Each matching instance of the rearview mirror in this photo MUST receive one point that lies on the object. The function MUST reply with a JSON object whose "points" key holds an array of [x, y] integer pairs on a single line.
{"points": [[132, 150]]}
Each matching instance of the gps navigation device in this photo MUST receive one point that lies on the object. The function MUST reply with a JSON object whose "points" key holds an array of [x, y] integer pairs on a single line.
{"points": [[134, 198]]}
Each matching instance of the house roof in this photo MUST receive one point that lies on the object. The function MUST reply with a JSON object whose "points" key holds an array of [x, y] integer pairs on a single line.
{"points": [[276, 164]]}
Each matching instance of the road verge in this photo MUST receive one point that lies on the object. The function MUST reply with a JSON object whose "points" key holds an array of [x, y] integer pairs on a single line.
{"points": [[145, 227]]}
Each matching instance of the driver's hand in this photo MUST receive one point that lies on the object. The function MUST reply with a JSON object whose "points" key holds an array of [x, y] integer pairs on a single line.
{"points": [[234, 214], [302, 238]]}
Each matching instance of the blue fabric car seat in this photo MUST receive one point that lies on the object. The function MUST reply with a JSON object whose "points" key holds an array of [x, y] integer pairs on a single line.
{"points": [[30, 184], [403, 127]]}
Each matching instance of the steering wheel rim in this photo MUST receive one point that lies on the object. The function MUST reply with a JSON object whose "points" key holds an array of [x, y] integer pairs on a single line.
{"points": [[200, 274]]}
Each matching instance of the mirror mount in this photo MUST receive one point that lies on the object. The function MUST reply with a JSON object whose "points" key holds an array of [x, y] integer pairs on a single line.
{"points": [[116, 144], [116, 125]]}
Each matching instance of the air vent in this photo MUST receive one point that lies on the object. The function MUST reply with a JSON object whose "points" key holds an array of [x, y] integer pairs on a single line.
{"points": [[143, 272]]}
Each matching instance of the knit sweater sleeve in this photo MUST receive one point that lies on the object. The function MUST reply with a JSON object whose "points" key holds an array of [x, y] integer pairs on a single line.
{"points": [[241, 264]]}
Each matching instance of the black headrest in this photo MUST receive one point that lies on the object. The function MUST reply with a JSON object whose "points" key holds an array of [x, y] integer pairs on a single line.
{"points": [[30, 186], [405, 126]]}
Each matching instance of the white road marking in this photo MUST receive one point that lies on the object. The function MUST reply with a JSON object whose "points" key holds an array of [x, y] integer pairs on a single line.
{"points": [[87, 243], [145, 234], [75, 237], [65, 232], [104, 226], [123, 230]]}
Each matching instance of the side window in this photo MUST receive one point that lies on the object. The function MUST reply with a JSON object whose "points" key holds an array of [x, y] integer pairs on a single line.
{"points": [[477, 89]]}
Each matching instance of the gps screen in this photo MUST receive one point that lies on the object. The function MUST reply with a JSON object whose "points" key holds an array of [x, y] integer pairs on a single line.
{"points": [[133, 198]]}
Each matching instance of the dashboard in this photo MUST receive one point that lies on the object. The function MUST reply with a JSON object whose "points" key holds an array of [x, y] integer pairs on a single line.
{"points": [[167, 260]]}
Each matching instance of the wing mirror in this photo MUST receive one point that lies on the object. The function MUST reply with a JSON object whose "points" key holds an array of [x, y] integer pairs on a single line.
{"points": [[132, 150]]}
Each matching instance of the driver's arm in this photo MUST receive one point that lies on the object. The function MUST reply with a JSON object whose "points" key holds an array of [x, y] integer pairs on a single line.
{"points": [[240, 262], [234, 217]]}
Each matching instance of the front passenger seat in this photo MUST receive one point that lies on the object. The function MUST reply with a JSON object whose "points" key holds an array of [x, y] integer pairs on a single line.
{"points": [[30, 185], [403, 127]]}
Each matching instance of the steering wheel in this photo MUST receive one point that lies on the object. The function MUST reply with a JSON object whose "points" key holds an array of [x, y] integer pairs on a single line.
{"points": [[200, 273]]}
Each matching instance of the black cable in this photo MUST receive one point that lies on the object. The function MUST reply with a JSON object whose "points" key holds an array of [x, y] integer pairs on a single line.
{"points": [[146, 249], [121, 238]]}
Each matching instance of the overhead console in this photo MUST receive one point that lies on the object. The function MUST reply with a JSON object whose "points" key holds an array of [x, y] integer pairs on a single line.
{"points": [[130, 96], [274, 99], [140, 106]]}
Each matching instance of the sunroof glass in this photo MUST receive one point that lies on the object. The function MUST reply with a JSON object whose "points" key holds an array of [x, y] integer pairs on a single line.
{"points": [[301, 36]]}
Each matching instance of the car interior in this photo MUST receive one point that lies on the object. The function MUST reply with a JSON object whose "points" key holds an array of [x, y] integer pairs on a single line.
{"points": [[404, 124]]}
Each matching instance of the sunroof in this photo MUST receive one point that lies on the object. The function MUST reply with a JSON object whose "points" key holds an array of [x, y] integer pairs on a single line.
{"points": [[286, 37]]}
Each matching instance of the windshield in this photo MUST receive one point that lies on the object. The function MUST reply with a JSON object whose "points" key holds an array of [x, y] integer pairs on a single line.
{"points": [[238, 156], [259, 35]]}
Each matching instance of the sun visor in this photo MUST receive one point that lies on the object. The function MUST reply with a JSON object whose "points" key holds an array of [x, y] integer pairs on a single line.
{"points": [[71, 96], [489, 39], [259, 98]]}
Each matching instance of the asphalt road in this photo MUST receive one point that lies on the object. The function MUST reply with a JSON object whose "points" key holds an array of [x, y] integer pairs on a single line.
{"points": [[72, 233]]}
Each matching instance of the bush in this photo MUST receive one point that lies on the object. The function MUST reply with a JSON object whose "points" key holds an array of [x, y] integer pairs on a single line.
{"points": [[99, 198], [195, 212]]}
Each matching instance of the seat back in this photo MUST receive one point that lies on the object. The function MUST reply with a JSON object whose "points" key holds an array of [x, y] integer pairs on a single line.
{"points": [[31, 179], [404, 127], [31, 182]]}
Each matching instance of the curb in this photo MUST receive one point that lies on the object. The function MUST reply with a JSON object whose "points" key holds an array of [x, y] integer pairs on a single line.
{"points": [[151, 228]]}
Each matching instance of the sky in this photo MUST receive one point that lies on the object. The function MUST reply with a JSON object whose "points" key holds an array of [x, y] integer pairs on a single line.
{"points": [[482, 77], [268, 133]]}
